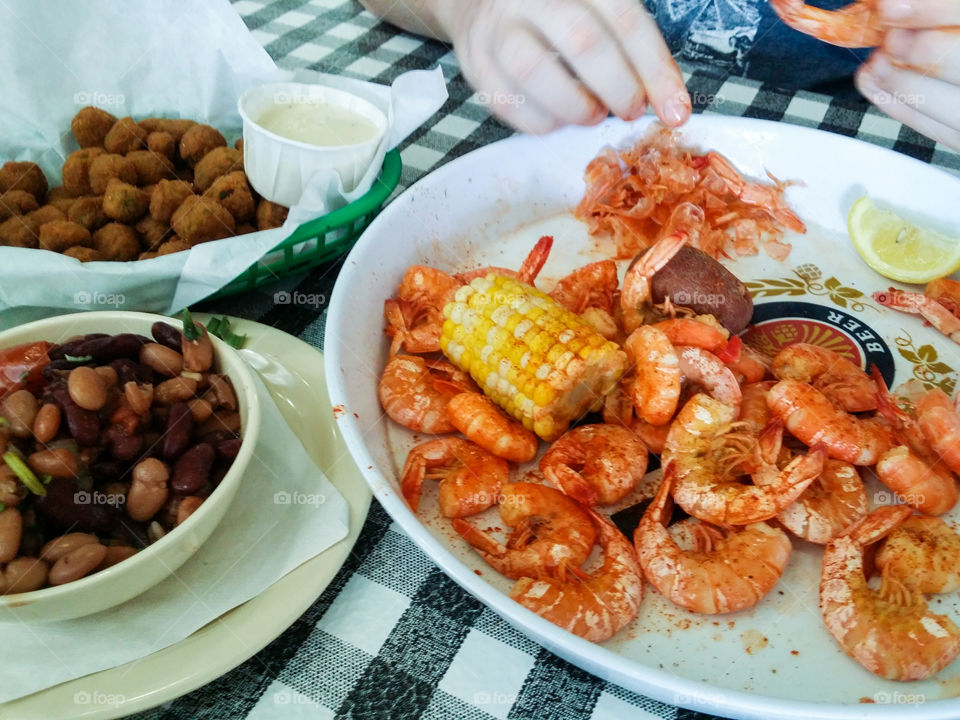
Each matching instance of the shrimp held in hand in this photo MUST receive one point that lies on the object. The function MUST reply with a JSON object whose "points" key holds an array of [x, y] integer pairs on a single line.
{"points": [[922, 554], [594, 605], [481, 421], [702, 484], [891, 633], [855, 26], [470, 477], [595, 464], [551, 533], [725, 572], [415, 393]]}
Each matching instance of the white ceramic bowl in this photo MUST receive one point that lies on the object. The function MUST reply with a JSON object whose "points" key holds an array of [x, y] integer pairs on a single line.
{"points": [[133, 576], [280, 168]]}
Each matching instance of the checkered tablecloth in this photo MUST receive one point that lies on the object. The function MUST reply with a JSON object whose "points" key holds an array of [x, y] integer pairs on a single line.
{"points": [[392, 636]]}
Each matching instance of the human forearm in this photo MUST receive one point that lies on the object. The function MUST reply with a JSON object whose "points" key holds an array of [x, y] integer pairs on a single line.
{"points": [[423, 17]]}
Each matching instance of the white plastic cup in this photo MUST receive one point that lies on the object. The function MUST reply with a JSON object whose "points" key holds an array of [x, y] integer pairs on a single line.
{"points": [[279, 168]]}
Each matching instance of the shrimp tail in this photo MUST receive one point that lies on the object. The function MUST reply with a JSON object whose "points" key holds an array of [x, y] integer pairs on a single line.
{"points": [[534, 262], [878, 524], [411, 482], [572, 484]]}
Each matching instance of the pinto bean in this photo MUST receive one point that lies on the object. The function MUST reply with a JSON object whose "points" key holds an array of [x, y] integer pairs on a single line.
{"points": [[11, 532], [116, 554], [108, 375], [220, 420], [20, 409], [24, 574], [56, 462], [200, 408], [166, 335], [197, 354], [76, 564], [175, 390], [161, 359], [192, 470], [188, 506], [148, 489], [139, 397], [47, 423], [177, 436], [86, 388], [65, 544]]}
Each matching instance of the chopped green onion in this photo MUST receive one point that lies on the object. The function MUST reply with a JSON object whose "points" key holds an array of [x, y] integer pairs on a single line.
{"points": [[23, 376], [46, 479], [2, 507], [4, 422], [221, 328], [190, 330], [78, 358], [22, 471]]}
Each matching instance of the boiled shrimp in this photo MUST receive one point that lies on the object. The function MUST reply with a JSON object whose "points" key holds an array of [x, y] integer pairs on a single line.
{"points": [[618, 409], [595, 464], [594, 606], [655, 390], [725, 572], [470, 478], [702, 485], [593, 285], [891, 633], [834, 375], [552, 533], [705, 369], [749, 366], [477, 417], [922, 554], [912, 470], [855, 26], [529, 268], [832, 503], [939, 422], [702, 331], [414, 317], [635, 295], [415, 393], [933, 311], [813, 419]]}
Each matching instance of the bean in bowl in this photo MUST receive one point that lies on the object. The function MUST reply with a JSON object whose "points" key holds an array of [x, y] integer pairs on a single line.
{"points": [[107, 443]]}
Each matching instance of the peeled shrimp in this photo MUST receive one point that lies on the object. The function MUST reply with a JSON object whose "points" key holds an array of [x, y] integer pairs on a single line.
{"points": [[656, 387], [595, 464], [922, 554], [890, 633], [813, 419], [702, 485], [832, 503], [415, 393], [470, 478], [834, 375], [594, 605], [552, 533], [476, 416], [723, 573]]}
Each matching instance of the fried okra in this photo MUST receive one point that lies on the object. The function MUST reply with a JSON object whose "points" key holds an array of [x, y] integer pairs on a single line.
{"points": [[216, 163], [150, 167], [62, 234], [88, 212], [124, 202], [233, 192], [16, 202], [167, 197], [76, 170], [104, 168], [26, 176], [115, 241], [125, 136], [198, 141], [91, 125], [270, 215], [201, 219]]}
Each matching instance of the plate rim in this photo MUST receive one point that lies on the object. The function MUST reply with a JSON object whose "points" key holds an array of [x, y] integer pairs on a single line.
{"points": [[596, 659], [342, 473]]}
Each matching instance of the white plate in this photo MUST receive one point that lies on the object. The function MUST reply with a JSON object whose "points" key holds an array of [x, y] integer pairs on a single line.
{"points": [[293, 373], [488, 207]]}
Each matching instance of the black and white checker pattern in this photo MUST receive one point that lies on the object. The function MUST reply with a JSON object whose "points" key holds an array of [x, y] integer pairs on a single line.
{"points": [[392, 636]]}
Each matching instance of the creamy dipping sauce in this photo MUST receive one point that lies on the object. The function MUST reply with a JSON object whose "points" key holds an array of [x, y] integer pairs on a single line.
{"points": [[317, 123]]}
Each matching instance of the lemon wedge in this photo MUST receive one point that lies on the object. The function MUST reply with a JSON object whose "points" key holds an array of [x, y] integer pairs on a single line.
{"points": [[898, 249]]}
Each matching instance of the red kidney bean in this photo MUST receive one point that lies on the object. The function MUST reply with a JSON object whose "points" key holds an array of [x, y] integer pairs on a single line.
{"points": [[130, 371], [228, 449], [220, 420], [70, 507], [192, 470], [104, 349], [166, 335], [124, 446], [70, 347], [83, 424], [176, 438]]}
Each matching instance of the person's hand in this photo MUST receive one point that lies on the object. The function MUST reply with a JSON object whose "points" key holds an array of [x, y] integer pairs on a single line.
{"points": [[915, 76], [541, 64]]}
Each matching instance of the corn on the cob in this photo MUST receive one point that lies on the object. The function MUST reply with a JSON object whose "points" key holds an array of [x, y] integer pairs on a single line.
{"points": [[534, 358]]}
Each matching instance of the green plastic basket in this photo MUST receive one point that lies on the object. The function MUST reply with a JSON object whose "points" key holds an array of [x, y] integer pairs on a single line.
{"points": [[321, 240]]}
